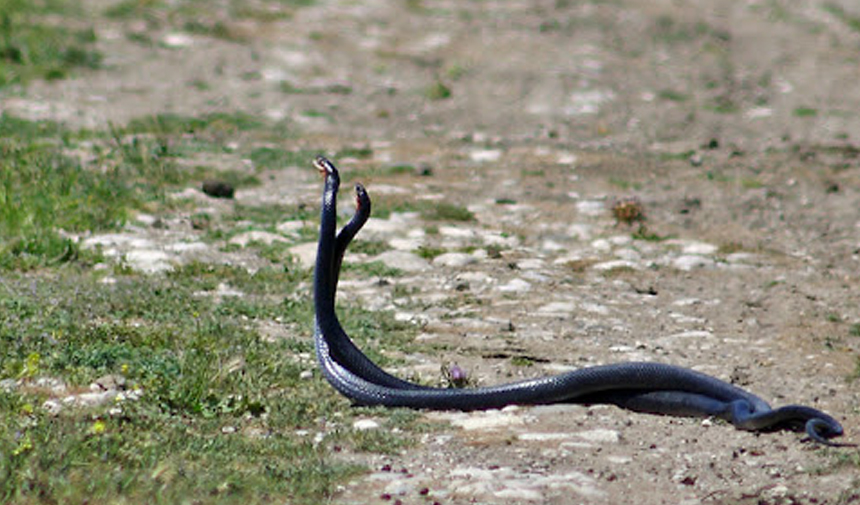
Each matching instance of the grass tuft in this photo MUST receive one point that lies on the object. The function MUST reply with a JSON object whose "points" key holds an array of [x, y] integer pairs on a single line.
{"points": [[31, 48]]}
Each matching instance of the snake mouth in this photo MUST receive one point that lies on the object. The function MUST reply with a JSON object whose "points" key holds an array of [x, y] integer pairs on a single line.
{"points": [[637, 386]]}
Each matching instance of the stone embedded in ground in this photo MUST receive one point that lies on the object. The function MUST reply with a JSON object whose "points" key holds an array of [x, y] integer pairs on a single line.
{"points": [[365, 424], [218, 189], [403, 260], [689, 262], [148, 261], [249, 237], [515, 286], [305, 254], [454, 260]]}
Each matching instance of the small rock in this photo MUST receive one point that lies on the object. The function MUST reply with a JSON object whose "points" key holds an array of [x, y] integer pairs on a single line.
{"points": [[530, 264], [365, 424], [290, 228], [90, 399], [485, 155], [403, 260], [8, 385], [590, 207], [628, 254], [52, 407], [110, 382], [306, 254], [620, 240], [693, 334], [515, 286], [580, 231], [688, 262], [557, 308], [454, 259], [702, 248], [600, 435], [218, 189], [264, 237], [148, 261], [488, 420], [402, 487], [186, 247], [615, 264], [177, 40]]}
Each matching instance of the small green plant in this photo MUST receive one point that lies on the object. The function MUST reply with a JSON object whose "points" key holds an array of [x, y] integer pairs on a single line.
{"points": [[443, 211], [372, 269], [628, 211], [672, 95], [839, 12], [522, 361], [355, 152], [268, 158], [369, 247], [805, 112], [428, 252], [437, 91]]}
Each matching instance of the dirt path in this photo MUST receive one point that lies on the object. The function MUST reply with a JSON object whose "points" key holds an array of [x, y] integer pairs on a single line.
{"points": [[736, 126]]}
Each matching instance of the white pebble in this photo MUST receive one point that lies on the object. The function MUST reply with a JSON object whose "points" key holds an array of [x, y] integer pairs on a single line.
{"points": [[454, 260], [365, 424], [515, 286]]}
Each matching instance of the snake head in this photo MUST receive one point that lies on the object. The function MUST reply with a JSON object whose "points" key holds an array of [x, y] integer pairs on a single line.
{"points": [[822, 430], [362, 200], [325, 167]]}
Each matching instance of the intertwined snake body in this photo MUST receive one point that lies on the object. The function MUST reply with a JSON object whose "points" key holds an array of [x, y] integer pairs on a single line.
{"points": [[639, 386]]}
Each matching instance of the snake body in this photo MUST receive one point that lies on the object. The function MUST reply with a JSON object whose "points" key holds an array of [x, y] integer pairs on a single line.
{"points": [[638, 386]]}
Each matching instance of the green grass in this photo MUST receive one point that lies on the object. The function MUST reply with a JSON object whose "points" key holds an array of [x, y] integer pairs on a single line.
{"points": [[805, 112], [430, 211], [227, 123], [428, 252], [672, 95], [437, 91], [217, 413], [372, 269], [45, 193], [271, 158], [369, 247], [202, 17], [443, 211], [220, 407], [837, 11], [33, 48]]}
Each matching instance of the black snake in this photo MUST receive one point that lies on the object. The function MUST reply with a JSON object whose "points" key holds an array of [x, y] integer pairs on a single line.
{"points": [[643, 387]]}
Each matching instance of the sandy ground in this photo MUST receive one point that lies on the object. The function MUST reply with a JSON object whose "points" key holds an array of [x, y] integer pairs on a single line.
{"points": [[734, 123]]}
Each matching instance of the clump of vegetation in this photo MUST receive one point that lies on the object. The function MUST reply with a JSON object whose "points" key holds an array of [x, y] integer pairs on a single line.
{"points": [[429, 252], [31, 48], [455, 377], [443, 211], [47, 196], [628, 210], [437, 91], [208, 407], [215, 409]]}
